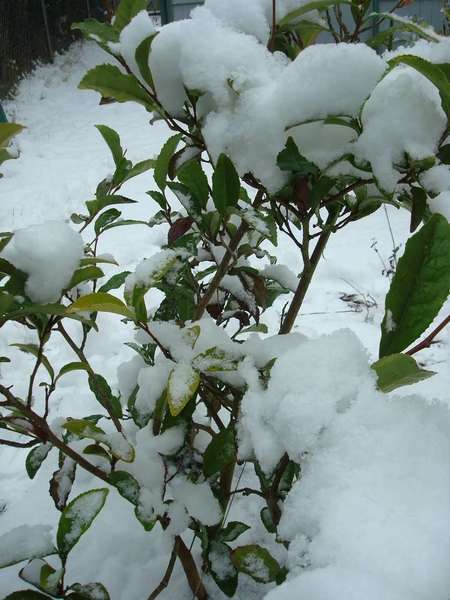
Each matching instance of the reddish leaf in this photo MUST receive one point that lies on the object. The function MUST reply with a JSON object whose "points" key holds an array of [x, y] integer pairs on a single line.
{"points": [[179, 228]]}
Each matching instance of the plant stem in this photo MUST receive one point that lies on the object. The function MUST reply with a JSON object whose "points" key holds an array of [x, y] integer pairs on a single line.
{"points": [[426, 343], [307, 275], [168, 574], [191, 571]]}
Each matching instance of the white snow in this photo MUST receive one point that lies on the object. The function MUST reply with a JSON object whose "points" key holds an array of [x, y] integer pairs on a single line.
{"points": [[199, 501], [282, 275], [49, 253], [436, 179], [441, 204], [25, 542], [403, 115]]}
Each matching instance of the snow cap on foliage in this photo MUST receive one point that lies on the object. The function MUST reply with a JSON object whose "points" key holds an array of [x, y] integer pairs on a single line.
{"points": [[48, 253], [25, 542], [309, 385], [440, 204], [404, 115], [373, 502], [138, 29], [434, 52]]}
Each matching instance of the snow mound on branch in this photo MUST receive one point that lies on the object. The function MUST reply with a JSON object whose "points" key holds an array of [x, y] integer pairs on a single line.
{"points": [[441, 204], [436, 179], [435, 52], [49, 254], [371, 511], [403, 116]]}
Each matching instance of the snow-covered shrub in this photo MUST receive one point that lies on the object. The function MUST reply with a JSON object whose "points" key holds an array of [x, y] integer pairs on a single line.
{"points": [[273, 135]]}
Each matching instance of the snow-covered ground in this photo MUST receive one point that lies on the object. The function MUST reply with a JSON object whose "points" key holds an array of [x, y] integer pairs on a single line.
{"points": [[62, 159]]}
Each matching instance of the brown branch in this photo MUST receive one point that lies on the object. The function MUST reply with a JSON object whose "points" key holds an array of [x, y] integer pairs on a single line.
{"points": [[426, 343], [18, 444], [271, 44], [168, 574], [191, 571]]}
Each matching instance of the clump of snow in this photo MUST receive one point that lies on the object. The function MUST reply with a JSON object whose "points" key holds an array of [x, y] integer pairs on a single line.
{"points": [[198, 499], [308, 387], [138, 29], [372, 505], [440, 204], [282, 275], [436, 179], [25, 542], [403, 115], [48, 253], [150, 271], [435, 52], [152, 382]]}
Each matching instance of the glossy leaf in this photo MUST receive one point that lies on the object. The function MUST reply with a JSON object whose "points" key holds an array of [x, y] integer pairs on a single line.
{"points": [[163, 160], [397, 370], [35, 458], [101, 302], [220, 452], [226, 185], [182, 387], [257, 562]]}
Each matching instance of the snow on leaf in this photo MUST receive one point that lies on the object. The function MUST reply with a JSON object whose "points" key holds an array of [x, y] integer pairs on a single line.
{"points": [[25, 542], [183, 383], [78, 517]]}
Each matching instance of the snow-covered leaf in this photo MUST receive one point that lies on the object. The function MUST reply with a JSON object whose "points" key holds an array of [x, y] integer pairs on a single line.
{"points": [[62, 481], [126, 10], [126, 485], [255, 561], [407, 24], [215, 359], [25, 543], [182, 386], [88, 591], [220, 452], [294, 15], [42, 575], [222, 569], [419, 288], [233, 530], [35, 458], [78, 517]]}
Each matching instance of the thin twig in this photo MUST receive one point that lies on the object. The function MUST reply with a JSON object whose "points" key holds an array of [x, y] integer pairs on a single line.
{"points": [[426, 343], [168, 574]]}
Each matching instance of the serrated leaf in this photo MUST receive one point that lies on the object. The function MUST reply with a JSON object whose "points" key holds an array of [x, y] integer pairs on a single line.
{"points": [[95, 30], [110, 82], [126, 485], [100, 302], [226, 185], [182, 387], [397, 370], [257, 562], [220, 452], [232, 531], [78, 517], [36, 457], [106, 218], [163, 160], [112, 139], [95, 206], [127, 10], [419, 288], [142, 59]]}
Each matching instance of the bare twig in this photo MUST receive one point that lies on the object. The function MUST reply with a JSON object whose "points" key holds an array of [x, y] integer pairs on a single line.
{"points": [[426, 343], [168, 574]]}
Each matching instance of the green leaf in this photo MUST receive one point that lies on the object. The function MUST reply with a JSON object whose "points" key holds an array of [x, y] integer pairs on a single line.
{"points": [[419, 288], [444, 154], [291, 160], [88, 591], [147, 522], [418, 208], [320, 190], [95, 206], [34, 350], [432, 72], [110, 82], [112, 138], [42, 575], [78, 517], [226, 185], [94, 30], [115, 282], [139, 168], [260, 328], [397, 370], [215, 359], [35, 458], [425, 33], [126, 485], [142, 59], [193, 177], [163, 160], [220, 452], [85, 274], [26, 595], [267, 520], [101, 302], [126, 10], [99, 386], [256, 562], [8, 131], [86, 429], [315, 5], [73, 366], [232, 531], [106, 218], [222, 569], [182, 387]]}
